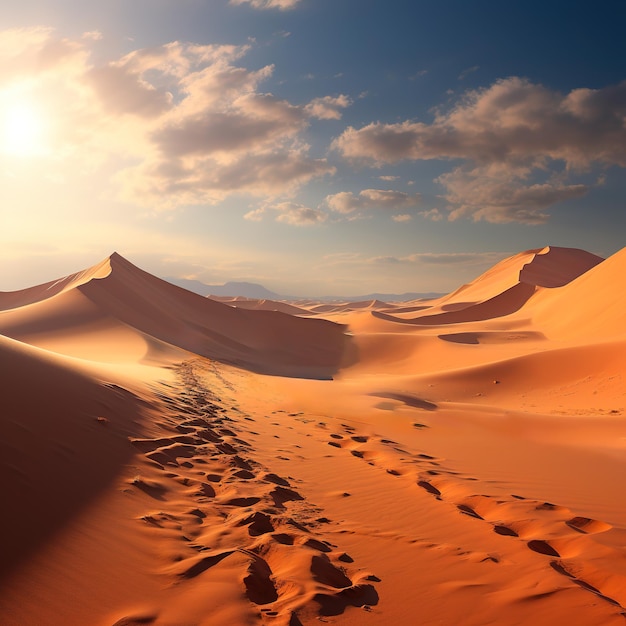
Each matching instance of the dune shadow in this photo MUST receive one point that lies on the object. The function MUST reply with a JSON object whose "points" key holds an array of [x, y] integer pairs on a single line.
{"points": [[413, 401], [466, 338], [64, 440]]}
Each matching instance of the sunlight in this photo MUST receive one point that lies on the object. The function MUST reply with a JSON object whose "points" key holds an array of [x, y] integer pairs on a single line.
{"points": [[23, 130]]}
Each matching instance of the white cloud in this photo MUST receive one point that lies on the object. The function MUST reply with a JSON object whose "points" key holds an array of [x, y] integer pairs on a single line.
{"points": [[328, 107], [402, 217], [289, 213], [347, 202], [503, 197], [268, 4], [173, 124], [510, 132]]}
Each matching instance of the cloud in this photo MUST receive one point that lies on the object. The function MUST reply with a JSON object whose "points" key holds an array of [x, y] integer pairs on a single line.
{"points": [[171, 124], [514, 120], [252, 122], [94, 35], [171, 183], [418, 74], [435, 258], [470, 70], [512, 131], [347, 202], [435, 215], [268, 4], [503, 198], [327, 108], [389, 178], [403, 217], [289, 213], [455, 258], [122, 91]]}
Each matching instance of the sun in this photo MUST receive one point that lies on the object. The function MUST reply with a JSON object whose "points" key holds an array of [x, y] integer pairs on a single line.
{"points": [[23, 130]]}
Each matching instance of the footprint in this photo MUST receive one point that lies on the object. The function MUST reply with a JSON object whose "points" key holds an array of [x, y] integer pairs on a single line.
{"points": [[424, 484], [326, 573], [244, 474], [259, 586], [587, 525], [258, 524], [204, 563], [277, 480], [243, 502], [280, 495], [314, 544], [561, 569], [468, 510], [136, 620], [542, 547]]}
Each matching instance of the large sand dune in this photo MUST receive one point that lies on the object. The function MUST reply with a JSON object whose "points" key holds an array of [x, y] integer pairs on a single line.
{"points": [[115, 294], [454, 461]]}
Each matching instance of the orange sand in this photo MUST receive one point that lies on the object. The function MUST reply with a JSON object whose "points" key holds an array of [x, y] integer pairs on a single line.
{"points": [[175, 460]]}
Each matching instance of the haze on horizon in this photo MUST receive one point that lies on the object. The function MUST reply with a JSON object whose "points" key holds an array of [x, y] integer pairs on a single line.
{"points": [[311, 146]]}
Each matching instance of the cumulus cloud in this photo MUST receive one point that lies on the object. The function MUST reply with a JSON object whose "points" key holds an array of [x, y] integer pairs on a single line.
{"points": [[511, 126], [402, 217], [502, 197], [328, 107], [123, 91], [289, 213], [268, 4], [177, 123], [347, 202], [513, 120]]}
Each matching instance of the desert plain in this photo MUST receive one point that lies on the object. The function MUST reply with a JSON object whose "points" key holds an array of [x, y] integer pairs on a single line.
{"points": [[175, 460]]}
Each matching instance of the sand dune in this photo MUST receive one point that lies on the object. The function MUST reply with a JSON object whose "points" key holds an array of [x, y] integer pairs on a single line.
{"points": [[115, 293], [455, 461], [591, 307], [508, 286]]}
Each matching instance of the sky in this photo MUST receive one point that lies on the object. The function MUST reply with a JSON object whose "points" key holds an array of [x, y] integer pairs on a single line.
{"points": [[318, 147]]}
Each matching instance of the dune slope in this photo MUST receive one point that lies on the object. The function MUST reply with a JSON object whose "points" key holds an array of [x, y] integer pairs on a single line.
{"points": [[116, 292]]}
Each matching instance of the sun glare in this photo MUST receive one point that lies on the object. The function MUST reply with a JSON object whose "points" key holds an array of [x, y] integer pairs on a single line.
{"points": [[23, 130]]}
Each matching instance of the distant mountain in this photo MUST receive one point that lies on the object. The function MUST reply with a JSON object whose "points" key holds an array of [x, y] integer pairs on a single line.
{"points": [[232, 289], [258, 292]]}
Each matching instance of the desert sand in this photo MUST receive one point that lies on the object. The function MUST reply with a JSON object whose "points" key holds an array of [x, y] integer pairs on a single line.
{"points": [[175, 460]]}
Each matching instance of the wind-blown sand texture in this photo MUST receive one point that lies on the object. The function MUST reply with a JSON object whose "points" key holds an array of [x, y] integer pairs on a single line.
{"points": [[175, 460]]}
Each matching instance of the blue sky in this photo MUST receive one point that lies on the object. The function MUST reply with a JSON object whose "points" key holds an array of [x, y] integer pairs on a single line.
{"points": [[315, 146]]}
